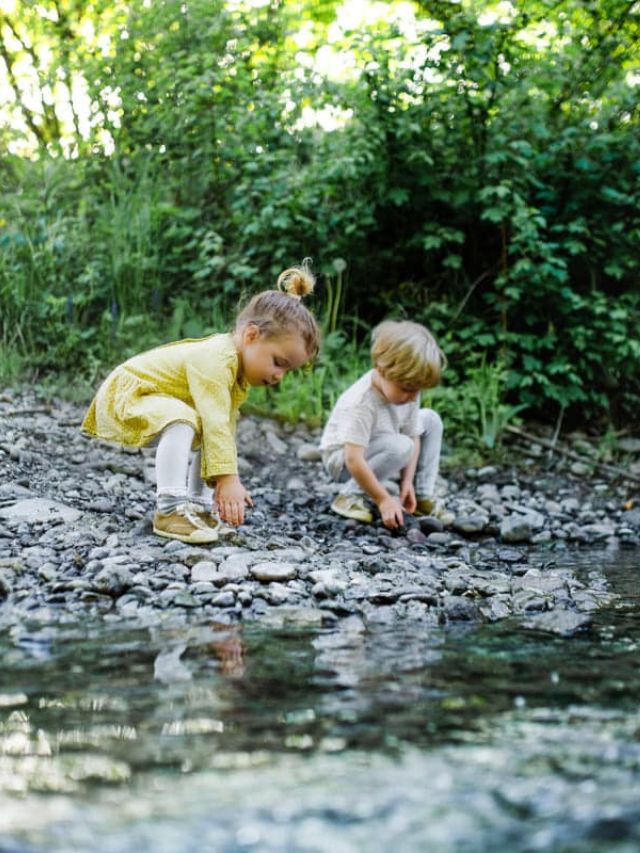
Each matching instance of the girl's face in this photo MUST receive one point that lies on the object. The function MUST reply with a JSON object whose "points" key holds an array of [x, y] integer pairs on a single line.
{"points": [[394, 392], [266, 360]]}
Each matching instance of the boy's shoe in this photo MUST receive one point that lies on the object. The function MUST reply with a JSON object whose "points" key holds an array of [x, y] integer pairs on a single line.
{"points": [[185, 525], [435, 509], [352, 506]]}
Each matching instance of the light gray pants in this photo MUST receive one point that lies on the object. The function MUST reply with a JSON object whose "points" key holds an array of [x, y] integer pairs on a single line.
{"points": [[389, 454]]}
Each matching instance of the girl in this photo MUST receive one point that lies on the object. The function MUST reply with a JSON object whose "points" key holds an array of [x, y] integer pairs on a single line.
{"points": [[185, 396]]}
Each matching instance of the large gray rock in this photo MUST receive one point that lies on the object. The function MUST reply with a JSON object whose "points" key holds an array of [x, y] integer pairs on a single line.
{"points": [[113, 580], [39, 509], [207, 570], [565, 623], [516, 528], [632, 517], [236, 567]]}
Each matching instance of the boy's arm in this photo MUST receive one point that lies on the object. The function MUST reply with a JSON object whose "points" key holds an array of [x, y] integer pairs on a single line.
{"points": [[407, 492], [390, 507]]}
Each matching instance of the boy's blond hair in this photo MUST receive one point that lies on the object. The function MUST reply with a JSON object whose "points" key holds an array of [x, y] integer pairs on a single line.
{"points": [[407, 353]]}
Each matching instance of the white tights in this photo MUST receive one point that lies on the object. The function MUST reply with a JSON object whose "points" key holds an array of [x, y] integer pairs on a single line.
{"points": [[178, 475]]}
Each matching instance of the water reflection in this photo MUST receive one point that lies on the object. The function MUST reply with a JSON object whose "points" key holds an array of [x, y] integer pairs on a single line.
{"points": [[358, 737]]}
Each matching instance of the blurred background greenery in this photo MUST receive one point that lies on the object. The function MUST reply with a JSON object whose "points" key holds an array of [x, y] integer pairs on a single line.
{"points": [[471, 165]]}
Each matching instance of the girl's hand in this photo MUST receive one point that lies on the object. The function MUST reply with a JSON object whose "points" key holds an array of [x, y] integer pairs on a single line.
{"points": [[231, 497], [408, 497]]}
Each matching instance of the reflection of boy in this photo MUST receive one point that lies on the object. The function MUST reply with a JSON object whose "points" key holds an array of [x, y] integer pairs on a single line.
{"points": [[377, 433]]}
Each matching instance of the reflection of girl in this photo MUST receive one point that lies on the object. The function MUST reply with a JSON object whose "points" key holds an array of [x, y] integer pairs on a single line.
{"points": [[229, 651]]}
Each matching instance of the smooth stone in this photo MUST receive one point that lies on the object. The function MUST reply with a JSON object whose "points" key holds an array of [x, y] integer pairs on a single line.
{"points": [[113, 580], [302, 616], [488, 492], [202, 588], [12, 491], [428, 524], [272, 571], [276, 444], [416, 537], [516, 528], [439, 538], [39, 509], [487, 472], [205, 570], [458, 608], [632, 517], [470, 524], [599, 531], [509, 555], [494, 609], [236, 567], [580, 469], [510, 493], [309, 453], [629, 444], [562, 622], [223, 599], [185, 599], [296, 484]]}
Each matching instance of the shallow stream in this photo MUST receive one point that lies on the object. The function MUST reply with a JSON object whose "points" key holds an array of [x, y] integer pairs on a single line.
{"points": [[195, 737]]}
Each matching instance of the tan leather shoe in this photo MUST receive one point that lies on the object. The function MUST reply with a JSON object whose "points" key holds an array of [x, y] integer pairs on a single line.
{"points": [[185, 525], [352, 506]]}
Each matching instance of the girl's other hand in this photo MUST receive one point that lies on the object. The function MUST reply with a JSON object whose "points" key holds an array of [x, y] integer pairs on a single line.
{"points": [[231, 498]]}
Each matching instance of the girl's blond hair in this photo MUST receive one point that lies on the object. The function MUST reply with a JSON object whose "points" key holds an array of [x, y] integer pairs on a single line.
{"points": [[407, 353], [281, 312]]}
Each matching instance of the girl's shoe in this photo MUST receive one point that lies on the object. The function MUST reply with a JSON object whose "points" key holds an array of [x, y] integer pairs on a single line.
{"points": [[185, 525], [435, 509], [352, 506], [213, 522]]}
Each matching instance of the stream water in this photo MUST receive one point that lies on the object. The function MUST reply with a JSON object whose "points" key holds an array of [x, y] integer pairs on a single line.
{"points": [[192, 737]]}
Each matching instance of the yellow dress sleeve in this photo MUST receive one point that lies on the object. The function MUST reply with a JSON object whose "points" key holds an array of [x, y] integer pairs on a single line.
{"points": [[213, 400]]}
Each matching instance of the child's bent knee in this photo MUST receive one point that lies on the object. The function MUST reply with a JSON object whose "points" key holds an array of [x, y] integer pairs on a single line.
{"points": [[431, 421]]}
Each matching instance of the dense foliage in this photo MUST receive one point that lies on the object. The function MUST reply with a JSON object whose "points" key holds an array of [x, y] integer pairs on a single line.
{"points": [[476, 165]]}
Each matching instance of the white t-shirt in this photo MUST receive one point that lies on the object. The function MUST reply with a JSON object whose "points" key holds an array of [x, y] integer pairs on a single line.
{"points": [[361, 415]]}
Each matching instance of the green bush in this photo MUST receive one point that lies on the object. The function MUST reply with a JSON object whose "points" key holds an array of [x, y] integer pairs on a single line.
{"points": [[484, 180]]}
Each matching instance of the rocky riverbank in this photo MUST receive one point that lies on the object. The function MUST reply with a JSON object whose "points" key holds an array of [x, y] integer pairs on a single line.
{"points": [[75, 538]]}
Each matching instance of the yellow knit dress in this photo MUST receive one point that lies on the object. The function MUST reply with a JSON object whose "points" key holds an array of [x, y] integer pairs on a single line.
{"points": [[194, 381]]}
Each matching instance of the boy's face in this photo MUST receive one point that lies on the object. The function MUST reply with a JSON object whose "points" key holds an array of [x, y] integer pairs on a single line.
{"points": [[394, 392]]}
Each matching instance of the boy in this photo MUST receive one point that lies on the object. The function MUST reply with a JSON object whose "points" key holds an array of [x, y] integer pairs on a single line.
{"points": [[377, 434]]}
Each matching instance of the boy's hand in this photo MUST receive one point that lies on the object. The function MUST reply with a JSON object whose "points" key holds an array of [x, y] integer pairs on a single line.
{"points": [[408, 497], [231, 497], [391, 512]]}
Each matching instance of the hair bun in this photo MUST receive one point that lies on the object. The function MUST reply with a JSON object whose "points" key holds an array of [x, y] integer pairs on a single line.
{"points": [[297, 281]]}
